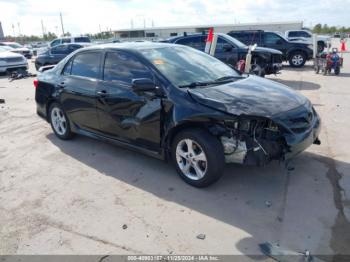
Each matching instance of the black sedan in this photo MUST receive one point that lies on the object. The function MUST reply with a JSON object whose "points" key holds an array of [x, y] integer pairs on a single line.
{"points": [[55, 54], [172, 101]]}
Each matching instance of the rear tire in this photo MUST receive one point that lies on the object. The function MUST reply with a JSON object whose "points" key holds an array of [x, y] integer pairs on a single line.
{"points": [[59, 122], [297, 59], [198, 157]]}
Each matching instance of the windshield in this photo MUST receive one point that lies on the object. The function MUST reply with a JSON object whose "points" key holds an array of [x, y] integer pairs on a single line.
{"points": [[281, 35], [184, 65], [15, 45], [234, 41]]}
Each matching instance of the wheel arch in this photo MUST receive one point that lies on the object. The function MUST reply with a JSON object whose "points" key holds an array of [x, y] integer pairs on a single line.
{"points": [[291, 52], [211, 127]]}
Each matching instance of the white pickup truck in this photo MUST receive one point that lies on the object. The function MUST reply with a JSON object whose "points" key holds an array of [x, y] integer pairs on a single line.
{"points": [[306, 36]]}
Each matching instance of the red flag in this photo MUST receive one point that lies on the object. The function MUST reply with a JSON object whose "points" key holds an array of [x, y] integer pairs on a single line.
{"points": [[343, 47], [210, 35]]}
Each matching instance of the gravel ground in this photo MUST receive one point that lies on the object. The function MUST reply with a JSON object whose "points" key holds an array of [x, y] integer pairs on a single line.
{"points": [[88, 197]]}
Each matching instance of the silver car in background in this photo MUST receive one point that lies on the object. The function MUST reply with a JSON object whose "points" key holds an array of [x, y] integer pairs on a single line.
{"points": [[10, 60]]}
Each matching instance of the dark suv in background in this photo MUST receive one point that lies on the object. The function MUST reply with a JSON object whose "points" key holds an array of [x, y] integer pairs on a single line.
{"points": [[229, 50], [55, 54], [295, 52]]}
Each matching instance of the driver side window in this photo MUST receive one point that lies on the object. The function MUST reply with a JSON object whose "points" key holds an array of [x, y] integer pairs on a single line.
{"points": [[222, 45], [272, 39]]}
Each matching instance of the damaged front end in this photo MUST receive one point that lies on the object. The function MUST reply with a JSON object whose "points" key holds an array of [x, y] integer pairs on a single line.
{"points": [[256, 140]]}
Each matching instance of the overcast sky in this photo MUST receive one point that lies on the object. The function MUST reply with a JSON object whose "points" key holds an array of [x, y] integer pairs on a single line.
{"points": [[88, 16]]}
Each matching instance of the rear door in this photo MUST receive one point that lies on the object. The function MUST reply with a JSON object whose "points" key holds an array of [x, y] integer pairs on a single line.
{"points": [[124, 114], [79, 80]]}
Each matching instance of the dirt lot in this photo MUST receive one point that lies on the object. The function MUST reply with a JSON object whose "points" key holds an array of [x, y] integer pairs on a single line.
{"points": [[73, 197]]}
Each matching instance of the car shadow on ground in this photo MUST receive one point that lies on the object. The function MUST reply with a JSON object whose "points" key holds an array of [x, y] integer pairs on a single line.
{"points": [[299, 85], [252, 199], [306, 68]]}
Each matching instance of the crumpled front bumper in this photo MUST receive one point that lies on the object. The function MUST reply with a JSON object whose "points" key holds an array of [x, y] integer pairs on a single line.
{"points": [[300, 142]]}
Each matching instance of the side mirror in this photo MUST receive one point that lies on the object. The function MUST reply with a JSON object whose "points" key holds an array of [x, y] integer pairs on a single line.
{"points": [[279, 42], [143, 85], [227, 48]]}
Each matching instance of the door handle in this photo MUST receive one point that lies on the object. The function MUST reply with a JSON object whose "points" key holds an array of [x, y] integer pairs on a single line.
{"points": [[61, 85], [102, 93]]}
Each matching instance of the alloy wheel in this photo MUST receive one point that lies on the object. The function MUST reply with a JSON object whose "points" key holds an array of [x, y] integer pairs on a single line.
{"points": [[297, 60], [191, 159], [59, 121]]}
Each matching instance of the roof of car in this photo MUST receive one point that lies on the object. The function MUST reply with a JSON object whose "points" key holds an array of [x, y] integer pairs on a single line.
{"points": [[67, 44], [130, 46], [191, 35]]}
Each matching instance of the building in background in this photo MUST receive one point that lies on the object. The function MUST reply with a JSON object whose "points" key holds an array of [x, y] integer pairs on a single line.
{"points": [[1, 32], [166, 32]]}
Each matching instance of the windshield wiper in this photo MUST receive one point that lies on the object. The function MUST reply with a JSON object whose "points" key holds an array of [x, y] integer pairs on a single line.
{"points": [[227, 78], [195, 84], [221, 80]]}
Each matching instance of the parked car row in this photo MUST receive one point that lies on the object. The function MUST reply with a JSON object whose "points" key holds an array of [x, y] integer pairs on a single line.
{"points": [[229, 50], [176, 103], [55, 54], [18, 48], [295, 52]]}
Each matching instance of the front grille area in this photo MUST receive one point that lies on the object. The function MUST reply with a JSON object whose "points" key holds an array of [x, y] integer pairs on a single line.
{"points": [[14, 59], [277, 58]]}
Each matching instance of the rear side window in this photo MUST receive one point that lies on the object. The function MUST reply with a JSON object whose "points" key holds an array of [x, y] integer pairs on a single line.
{"points": [[197, 42], [72, 48], [82, 40], [123, 67], [86, 65], [66, 40], [248, 38], [59, 50], [56, 42], [293, 34]]}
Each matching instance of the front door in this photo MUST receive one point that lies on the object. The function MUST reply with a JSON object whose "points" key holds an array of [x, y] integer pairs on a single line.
{"points": [[123, 113], [227, 52]]}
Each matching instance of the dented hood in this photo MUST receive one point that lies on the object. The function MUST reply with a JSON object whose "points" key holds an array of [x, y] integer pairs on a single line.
{"points": [[249, 96]]}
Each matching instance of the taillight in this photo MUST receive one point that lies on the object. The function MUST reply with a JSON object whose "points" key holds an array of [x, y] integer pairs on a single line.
{"points": [[36, 82]]}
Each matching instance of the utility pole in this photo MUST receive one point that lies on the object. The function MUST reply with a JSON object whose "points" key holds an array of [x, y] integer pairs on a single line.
{"points": [[42, 27], [62, 23], [19, 29], [13, 29], [132, 23]]}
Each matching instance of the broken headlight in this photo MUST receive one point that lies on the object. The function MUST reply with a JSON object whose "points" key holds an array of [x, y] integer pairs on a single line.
{"points": [[242, 124]]}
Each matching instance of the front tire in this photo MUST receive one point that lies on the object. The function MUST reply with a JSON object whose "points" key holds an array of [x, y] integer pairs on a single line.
{"points": [[297, 59], [198, 157], [59, 122]]}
